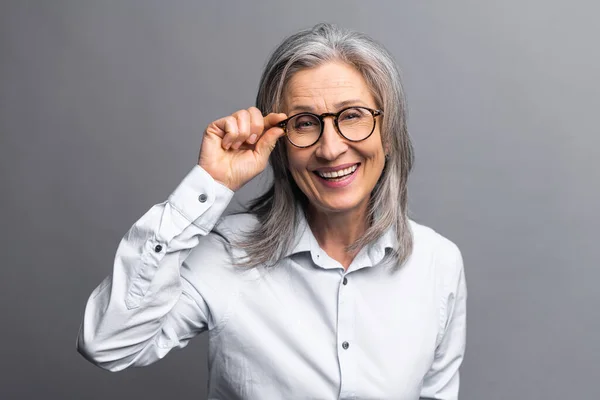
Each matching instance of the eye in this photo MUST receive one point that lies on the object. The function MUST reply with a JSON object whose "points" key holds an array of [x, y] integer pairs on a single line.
{"points": [[305, 122], [353, 114]]}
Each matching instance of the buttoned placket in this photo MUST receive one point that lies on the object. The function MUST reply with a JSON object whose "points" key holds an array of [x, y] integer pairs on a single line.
{"points": [[346, 348], [346, 316]]}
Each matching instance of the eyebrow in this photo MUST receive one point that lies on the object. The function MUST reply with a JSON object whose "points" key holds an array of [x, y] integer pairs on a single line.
{"points": [[337, 106]]}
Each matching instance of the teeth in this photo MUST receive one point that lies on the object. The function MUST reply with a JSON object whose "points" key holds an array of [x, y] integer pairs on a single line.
{"points": [[338, 174]]}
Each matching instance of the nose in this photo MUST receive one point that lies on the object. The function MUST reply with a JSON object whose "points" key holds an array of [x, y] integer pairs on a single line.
{"points": [[331, 144]]}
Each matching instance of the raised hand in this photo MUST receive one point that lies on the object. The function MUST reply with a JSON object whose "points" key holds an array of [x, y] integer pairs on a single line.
{"points": [[236, 148]]}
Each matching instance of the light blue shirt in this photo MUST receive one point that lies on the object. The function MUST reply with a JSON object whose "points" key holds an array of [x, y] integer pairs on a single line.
{"points": [[304, 329]]}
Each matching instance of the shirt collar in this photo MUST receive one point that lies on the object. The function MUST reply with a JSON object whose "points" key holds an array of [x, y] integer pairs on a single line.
{"points": [[305, 241], [376, 250]]}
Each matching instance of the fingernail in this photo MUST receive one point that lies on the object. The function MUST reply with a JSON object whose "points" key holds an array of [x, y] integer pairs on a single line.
{"points": [[236, 145], [252, 138]]}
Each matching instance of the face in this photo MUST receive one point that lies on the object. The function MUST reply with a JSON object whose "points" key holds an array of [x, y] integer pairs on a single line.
{"points": [[330, 88]]}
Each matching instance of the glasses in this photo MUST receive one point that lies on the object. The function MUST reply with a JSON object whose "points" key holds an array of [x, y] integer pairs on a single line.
{"points": [[353, 123]]}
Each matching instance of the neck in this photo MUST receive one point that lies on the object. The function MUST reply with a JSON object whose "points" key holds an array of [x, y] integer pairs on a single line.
{"points": [[335, 231]]}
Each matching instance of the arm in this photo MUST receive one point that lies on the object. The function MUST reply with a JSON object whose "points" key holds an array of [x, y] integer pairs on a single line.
{"points": [[148, 306], [145, 308], [442, 380]]}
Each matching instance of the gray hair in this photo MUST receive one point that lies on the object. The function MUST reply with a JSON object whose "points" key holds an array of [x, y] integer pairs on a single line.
{"points": [[272, 237]]}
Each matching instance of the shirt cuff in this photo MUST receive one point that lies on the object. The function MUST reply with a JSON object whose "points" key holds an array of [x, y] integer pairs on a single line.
{"points": [[201, 199]]}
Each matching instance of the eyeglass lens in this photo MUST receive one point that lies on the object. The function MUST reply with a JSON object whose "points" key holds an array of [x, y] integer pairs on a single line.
{"points": [[354, 123]]}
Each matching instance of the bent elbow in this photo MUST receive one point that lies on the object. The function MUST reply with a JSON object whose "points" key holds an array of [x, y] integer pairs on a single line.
{"points": [[98, 352]]}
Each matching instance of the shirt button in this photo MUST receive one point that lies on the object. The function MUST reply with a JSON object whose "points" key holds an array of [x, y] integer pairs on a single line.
{"points": [[202, 198], [158, 248], [345, 281], [345, 345]]}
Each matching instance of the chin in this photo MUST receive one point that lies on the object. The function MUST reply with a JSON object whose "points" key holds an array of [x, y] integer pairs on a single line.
{"points": [[338, 206]]}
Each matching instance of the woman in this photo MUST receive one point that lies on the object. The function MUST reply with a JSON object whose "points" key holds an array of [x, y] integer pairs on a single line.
{"points": [[325, 289]]}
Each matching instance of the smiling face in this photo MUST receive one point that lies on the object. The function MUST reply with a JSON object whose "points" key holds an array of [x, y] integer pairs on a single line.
{"points": [[335, 174]]}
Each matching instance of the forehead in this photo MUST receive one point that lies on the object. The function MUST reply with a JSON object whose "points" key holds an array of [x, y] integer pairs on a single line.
{"points": [[326, 88]]}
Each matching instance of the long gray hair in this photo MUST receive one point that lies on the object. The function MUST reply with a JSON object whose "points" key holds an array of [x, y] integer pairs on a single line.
{"points": [[276, 209]]}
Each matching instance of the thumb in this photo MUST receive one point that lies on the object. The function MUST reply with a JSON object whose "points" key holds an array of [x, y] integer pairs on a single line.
{"points": [[268, 140], [273, 119]]}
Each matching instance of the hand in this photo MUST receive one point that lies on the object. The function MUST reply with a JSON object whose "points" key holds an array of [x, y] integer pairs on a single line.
{"points": [[236, 148]]}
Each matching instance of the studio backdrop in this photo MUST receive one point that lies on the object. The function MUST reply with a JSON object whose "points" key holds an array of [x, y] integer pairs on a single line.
{"points": [[102, 109]]}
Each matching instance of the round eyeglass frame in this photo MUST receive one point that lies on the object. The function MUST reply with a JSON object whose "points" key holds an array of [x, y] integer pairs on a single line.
{"points": [[321, 118]]}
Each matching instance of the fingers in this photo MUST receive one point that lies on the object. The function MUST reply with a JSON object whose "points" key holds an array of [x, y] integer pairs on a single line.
{"points": [[231, 132], [257, 125], [242, 119], [249, 127], [245, 126]]}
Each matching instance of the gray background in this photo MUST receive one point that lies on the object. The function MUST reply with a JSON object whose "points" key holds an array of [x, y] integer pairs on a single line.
{"points": [[102, 106]]}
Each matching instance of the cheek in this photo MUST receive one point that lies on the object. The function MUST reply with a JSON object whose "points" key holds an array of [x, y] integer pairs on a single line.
{"points": [[297, 161], [297, 166], [375, 158]]}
